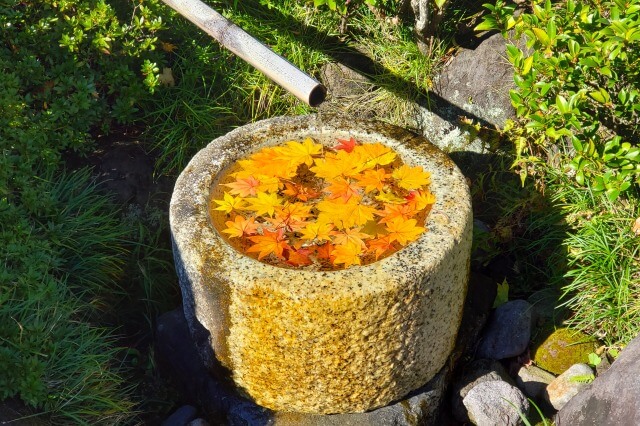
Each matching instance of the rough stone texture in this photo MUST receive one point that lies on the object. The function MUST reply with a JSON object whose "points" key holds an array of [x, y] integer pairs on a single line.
{"points": [[198, 422], [562, 349], [479, 371], [181, 416], [479, 81], [343, 82], [566, 385], [474, 84], [222, 404], [489, 404], [324, 342], [533, 381], [611, 398], [508, 332]]}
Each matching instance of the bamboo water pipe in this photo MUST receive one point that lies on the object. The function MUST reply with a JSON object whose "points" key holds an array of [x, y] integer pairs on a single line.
{"points": [[251, 50]]}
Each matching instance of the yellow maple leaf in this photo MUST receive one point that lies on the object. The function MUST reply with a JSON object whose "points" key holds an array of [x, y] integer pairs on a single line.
{"points": [[390, 197], [409, 177], [263, 203], [297, 153], [240, 226], [373, 154], [344, 214], [342, 163], [266, 163], [403, 230], [347, 254], [291, 216], [317, 231], [229, 203]]}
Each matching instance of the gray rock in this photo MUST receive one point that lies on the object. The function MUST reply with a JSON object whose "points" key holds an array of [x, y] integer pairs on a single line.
{"points": [[223, 405], [545, 303], [533, 381], [479, 371], [611, 398], [479, 81], [567, 385], [496, 403], [182, 416], [508, 332], [198, 422], [342, 81]]}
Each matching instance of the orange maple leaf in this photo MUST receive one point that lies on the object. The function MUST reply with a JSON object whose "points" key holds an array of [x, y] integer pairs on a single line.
{"points": [[291, 216], [373, 179], [244, 187], [380, 245], [324, 251], [268, 243], [266, 162], [393, 211], [299, 257], [420, 199], [350, 235], [240, 227], [409, 177], [348, 254], [341, 188], [403, 230], [301, 192], [346, 145]]}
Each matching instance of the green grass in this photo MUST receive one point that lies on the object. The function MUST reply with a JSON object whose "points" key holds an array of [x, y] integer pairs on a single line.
{"points": [[603, 280]]}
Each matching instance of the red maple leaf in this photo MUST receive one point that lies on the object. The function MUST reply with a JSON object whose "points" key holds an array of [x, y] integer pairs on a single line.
{"points": [[346, 145]]}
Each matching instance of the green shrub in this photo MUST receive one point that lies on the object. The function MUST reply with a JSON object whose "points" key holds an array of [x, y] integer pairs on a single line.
{"points": [[578, 85]]}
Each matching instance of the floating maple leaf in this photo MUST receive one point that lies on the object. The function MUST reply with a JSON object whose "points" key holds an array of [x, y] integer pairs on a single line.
{"points": [[374, 154], [409, 177], [403, 230], [299, 257], [342, 188], [393, 211], [373, 179], [298, 153], [317, 231], [229, 203], [350, 235], [240, 227], [301, 192], [380, 245], [346, 145], [268, 243], [347, 254], [420, 199], [244, 187], [263, 203]]}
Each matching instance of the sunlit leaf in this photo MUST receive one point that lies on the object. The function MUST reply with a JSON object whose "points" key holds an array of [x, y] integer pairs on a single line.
{"points": [[403, 230], [268, 243], [240, 227], [409, 177]]}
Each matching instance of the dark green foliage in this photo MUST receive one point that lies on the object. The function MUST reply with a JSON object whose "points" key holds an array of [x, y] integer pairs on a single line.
{"points": [[578, 96]]}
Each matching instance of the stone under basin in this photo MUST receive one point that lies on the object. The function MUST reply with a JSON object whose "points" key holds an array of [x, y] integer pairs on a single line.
{"points": [[323, 342]]}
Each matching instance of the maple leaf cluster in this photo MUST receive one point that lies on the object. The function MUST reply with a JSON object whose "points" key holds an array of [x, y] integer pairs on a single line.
{"points": [[303, 204]]}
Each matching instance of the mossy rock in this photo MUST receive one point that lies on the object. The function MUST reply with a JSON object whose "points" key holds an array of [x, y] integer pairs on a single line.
{"points": [[562, 349]]}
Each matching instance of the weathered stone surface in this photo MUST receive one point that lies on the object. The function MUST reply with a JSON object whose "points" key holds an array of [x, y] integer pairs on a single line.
{"points": [[611, 398], [323, 342], [181, 417], [479, 371], [490, 403], [343, 82], [533, 381], [479, 81], [567, 385], [223, 405], [562, 349], [475, 84], [508, 332], [545, 304]]}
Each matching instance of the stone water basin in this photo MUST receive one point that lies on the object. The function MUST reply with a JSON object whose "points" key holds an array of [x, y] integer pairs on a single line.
{"points": [[323, 342]]}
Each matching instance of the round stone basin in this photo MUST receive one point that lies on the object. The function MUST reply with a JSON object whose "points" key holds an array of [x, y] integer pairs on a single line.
{"points": [[323, 342]]}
